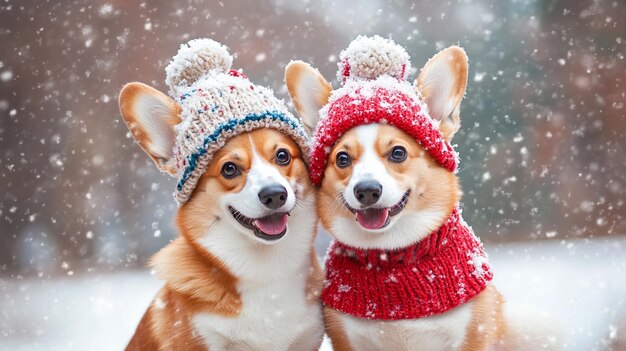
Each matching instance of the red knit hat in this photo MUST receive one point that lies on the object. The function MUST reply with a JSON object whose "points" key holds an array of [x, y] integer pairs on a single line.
{"points": [[375, 90]]}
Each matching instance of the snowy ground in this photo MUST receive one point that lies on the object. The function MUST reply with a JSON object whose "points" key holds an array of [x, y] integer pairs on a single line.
{"points": [[581, 283]]}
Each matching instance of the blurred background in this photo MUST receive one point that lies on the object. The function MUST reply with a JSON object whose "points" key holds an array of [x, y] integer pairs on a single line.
{"points": [[82, 208]]}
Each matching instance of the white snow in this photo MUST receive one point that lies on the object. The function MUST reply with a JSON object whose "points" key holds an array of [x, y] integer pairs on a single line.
{"points": [[77, 313], [580, 283], [6, 76], [260, 57], [478, 260]]}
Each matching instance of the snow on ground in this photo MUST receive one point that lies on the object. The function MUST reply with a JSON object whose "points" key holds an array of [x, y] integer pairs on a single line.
{"points": [[581, 283]]}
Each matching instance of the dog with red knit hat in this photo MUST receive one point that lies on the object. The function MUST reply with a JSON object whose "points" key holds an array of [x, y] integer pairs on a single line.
{"points": [[404, 271]]}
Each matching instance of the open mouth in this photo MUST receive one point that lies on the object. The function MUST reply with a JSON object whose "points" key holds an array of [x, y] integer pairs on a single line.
{"points": [[378, 217], [272, 227]]}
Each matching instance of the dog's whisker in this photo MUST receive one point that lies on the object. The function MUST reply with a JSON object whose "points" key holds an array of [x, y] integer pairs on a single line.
{"points": [[300, 204], [335, 204], [332, 205]]}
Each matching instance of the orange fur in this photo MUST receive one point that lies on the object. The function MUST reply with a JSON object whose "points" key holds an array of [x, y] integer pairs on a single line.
{"points": [[456, 60], [487, 325], [166, 325], [192, 271], [170, 114], [335, 331], [315, 280], [308, 90]]}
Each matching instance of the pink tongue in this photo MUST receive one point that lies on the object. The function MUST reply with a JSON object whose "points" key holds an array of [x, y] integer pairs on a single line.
{"points": [[272, 225], [372, 218]]}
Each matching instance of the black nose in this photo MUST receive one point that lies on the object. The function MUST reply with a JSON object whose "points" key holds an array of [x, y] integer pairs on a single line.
{"points": [[273, 196], [368, 192]]}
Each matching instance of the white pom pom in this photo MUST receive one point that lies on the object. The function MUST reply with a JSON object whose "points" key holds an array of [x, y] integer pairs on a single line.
{"points": [[195, 59], [370, 58]]}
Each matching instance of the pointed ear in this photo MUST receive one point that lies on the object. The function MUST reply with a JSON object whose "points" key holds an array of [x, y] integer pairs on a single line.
{"points": [[442, 83], [151, 116], [309, 91]]}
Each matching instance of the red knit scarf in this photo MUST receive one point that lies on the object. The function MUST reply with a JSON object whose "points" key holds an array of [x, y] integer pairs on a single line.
{"points": [[437, 274]]}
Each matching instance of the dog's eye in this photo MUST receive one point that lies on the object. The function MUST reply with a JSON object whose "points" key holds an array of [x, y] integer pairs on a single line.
{"points": [[283, 157], [343, 160], [398, 154], [230, 170]]}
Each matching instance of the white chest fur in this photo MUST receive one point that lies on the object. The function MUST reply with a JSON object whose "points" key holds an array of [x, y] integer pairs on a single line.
{"points": [[271, 281], [445, 332], [273, 318]]}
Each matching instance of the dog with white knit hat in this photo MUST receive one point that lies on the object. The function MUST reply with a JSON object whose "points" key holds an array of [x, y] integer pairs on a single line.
{"points": [[243, 275]]}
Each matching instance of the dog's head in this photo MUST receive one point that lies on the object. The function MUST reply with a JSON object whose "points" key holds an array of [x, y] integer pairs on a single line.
{"points": [[380, 188], [251, 184]]}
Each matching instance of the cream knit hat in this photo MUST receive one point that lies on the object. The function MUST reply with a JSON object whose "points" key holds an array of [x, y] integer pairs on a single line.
{"points": [[217, 103]]}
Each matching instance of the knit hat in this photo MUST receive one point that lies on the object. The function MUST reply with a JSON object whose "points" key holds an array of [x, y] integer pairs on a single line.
{"points": [[217, 103], [375, 90]]}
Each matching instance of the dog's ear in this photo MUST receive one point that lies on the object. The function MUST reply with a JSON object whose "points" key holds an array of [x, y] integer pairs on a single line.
{"points": [[442, 83], [151, 116], [309, 91]]}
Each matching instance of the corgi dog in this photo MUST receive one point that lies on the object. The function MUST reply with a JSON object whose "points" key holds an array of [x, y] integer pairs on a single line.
{"points": [[243, 275], [381, 192]]}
